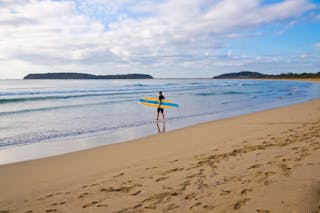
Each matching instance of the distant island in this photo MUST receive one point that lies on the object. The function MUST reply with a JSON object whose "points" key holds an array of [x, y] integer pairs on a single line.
{"points": [[85, 76], [257, 75]]}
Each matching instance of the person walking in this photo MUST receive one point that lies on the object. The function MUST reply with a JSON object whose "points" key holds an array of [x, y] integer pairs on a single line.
{"points": [[159, 109]]}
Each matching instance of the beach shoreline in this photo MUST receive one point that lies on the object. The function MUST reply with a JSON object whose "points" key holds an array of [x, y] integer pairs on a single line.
{"points": [[181, 170]]}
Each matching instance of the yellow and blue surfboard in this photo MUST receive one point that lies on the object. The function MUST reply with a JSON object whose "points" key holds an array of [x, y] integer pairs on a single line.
{"points": [[154, 102]]}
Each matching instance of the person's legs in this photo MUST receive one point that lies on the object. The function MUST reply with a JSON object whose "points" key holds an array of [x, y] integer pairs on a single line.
{"points": [[157, 117], [162, 115]]}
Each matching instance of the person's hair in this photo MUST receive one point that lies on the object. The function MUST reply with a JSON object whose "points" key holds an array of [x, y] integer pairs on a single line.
{"points": [[160, 92]]}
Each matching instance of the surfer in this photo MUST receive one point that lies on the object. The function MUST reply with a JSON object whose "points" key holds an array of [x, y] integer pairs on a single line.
{"points": [[161, 97]]}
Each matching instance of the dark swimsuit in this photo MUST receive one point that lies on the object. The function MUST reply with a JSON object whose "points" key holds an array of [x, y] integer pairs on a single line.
{"points": [[161, 97]]}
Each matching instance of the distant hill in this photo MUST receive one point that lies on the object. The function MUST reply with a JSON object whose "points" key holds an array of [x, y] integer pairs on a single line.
{"points": [[257, 75], [85, 76], [243, 74]]}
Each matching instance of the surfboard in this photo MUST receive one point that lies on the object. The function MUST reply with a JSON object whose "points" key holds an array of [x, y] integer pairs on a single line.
{"points": [[154, 102]]}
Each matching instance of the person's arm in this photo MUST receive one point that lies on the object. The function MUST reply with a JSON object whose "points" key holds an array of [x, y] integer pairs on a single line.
{"points": [[159, 102]]}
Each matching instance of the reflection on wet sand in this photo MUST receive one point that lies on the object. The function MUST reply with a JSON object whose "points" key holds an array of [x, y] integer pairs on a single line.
{"points": [[162, 129]]}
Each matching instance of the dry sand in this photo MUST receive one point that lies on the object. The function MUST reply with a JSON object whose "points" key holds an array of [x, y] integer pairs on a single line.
{"points": [[262, 162]]}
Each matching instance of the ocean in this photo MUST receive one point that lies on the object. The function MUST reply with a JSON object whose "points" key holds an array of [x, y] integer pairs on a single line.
{"points": [[40, 118]]}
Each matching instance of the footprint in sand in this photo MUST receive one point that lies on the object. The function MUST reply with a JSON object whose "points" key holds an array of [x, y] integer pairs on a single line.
{"points": [[61, 203], [297, 159], [224, 192], [119, 175], [165, 187], [155, 167], [173, 170], [136, 193], [161, 179], [102, 205], [295, 148], [90, 204], [285, 169], [208, 207], [48, 196], [150, 207], [255, 166], [195, 205], [190, 196], [184, 185], [267, 174], [267, 182], [51, 210], [246, 182], [240, 203], [172, 206], [191, 176], [263, 211], [83, 195], [245, 191]]}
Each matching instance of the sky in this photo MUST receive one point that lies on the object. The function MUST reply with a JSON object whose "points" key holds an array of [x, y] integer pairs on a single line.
{"points": [[163, 38]]}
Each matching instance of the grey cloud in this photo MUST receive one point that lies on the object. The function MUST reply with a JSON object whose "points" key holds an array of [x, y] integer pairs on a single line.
{"points": [[10, 3], [18, 21]]}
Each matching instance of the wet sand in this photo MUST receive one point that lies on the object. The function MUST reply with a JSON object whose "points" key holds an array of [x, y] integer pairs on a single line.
{"points": [[261, 162]]}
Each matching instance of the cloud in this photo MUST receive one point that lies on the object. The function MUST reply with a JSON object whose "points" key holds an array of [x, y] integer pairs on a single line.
{"points": [[317, 45], [97, 35]]}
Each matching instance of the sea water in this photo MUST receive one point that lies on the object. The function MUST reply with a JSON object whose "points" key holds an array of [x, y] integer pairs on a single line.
{"points": [[39, 118]]}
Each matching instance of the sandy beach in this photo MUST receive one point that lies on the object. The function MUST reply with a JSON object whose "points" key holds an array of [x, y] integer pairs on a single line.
{"points": [[261, 162], [159, 106]]}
